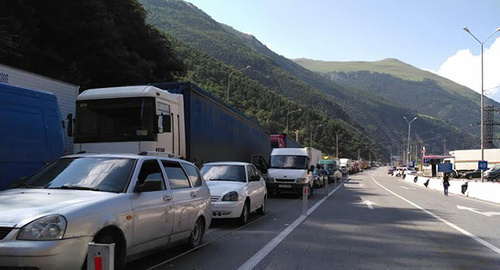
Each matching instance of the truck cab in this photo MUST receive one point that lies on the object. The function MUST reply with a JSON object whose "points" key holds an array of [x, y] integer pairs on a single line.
{"points": [[289, 171]]}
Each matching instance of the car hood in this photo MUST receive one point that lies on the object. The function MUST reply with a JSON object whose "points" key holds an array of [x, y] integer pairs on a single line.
{"points": [[20, 206], [287, 173], [219, 188]]}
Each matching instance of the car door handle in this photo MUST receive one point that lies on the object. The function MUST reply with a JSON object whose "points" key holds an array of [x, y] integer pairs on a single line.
{"points": [[193, 194], [167, 198]]}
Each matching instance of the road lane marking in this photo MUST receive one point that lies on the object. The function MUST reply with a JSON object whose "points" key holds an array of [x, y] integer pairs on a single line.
{"points": [[263, 252], [206, 243], [487, 214], [477, 239], [368, 203], [407, 187]]}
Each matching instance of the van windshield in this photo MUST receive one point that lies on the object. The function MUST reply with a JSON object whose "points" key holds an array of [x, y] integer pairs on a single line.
{"points": [[112, 120], [289, 162]]}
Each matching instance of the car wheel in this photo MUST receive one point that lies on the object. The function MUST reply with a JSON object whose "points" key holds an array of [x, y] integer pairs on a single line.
{"points": [[243, 219], [109, 238], [262, 209], [197, 233]]}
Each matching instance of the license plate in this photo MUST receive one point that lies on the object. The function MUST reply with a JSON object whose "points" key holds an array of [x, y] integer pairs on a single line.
{"points": [[285, 186]]}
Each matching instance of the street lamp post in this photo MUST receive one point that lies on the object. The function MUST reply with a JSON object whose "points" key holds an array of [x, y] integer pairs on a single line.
{"points": [[482, 91], [227, 94], [311, 142], [408, 147], [287, 117]]}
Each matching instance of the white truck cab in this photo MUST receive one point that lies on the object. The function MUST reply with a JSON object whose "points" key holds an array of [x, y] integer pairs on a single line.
{"points": [[289, 170]]}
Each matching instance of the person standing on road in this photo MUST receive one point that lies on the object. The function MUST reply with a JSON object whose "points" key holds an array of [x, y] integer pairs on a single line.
{"points": [[446, 182]]}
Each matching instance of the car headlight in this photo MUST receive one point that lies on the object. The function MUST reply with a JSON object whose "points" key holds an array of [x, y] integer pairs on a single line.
{"points": [[46, 228], [303, 180], [231, 196]]}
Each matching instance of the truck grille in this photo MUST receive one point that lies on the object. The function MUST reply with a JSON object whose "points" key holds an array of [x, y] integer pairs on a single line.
{"points": [[4, 231], [285, 180]]}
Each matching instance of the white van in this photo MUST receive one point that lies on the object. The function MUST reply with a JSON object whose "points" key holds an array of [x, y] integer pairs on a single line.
{"points": [[289, 171]]}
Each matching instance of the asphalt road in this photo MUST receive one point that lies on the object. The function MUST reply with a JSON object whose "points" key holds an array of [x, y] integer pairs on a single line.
{"points": [[371, 221]]}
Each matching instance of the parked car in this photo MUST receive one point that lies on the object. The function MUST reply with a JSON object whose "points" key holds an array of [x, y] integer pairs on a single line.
{"points": [[487, 172], [472, 174], [138, 202], [494, 175], [236, 189]]}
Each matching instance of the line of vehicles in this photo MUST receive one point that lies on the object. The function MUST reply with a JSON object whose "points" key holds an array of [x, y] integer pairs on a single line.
{"points": [[108, 193]]}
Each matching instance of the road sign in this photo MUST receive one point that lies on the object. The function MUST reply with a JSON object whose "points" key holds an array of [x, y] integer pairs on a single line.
{"points": [[482, 165], [445, 167], [426, 161]]}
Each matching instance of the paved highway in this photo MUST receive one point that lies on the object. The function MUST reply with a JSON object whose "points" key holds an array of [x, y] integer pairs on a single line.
{"points": [[371, 221]]}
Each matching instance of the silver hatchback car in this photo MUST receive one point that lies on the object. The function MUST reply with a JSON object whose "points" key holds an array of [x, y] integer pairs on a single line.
{"points": [[138, 202]]}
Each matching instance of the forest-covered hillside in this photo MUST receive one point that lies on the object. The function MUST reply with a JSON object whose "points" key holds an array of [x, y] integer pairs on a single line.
{"points": [[380, 118], [95, 43]]}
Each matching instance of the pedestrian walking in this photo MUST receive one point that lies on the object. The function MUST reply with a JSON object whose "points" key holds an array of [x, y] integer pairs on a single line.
{"points": [[446, 182]]}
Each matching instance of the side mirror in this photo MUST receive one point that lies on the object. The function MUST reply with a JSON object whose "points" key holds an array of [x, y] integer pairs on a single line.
{"points": [[254, 178], [149, 185]]}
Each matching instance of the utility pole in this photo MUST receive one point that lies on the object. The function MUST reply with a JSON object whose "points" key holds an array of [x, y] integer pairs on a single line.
{"points": [[337, 146], [297, 135]]}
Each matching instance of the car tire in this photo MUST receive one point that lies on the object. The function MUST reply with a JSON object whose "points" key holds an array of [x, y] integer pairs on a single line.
{"points": [[262, 209], [109, 238], [196, 235], [245, 212]]}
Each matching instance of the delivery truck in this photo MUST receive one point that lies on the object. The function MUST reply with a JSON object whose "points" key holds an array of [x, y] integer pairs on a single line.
{"points": [[178, 119], [31, 133]]}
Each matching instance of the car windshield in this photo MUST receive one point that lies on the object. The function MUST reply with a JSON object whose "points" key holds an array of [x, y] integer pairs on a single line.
{"points": [[289, 162], [118, 119], [224, 173], [84, 173]]}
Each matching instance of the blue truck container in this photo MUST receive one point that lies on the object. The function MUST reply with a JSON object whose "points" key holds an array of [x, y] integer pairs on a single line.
{"points": [[216, 131], [31, 132]]}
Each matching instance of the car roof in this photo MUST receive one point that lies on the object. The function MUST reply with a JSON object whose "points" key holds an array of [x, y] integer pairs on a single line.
{"points": [[239, 163], [126, 155]]}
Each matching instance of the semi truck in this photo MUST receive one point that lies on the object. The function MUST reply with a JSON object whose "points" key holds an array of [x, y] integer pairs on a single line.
{"points": [[31, 133], [283, 141], [467, 160], [177, 119]]}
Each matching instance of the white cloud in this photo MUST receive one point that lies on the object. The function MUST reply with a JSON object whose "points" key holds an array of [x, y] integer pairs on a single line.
{"points": [[465, 68]]}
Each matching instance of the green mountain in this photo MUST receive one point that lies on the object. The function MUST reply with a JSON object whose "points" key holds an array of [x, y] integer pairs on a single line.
{"points": [[380, 118], [408, 86]]}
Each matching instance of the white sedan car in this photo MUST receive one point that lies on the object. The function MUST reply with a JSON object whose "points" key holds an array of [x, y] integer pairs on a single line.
{"points": [[140, 203], [236, 189]]}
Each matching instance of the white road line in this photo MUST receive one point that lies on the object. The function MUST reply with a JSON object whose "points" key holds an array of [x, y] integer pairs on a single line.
{"points": [[263, 252], [481, 241]]}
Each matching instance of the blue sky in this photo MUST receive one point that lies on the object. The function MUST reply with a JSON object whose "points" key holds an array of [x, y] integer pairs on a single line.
{"points": [[424, 33]]}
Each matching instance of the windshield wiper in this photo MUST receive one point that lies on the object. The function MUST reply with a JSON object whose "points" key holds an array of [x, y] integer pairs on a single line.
{"points": [[27, 186], [221, 179], [76, 187]]}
